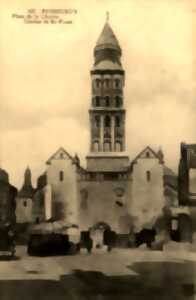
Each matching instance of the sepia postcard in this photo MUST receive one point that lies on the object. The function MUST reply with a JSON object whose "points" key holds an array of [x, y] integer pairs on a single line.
{"points": [[97, 149]]}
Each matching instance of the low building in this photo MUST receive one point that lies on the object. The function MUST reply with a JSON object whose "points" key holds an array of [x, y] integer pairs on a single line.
{"points": [[8, 195], [24, 201]]}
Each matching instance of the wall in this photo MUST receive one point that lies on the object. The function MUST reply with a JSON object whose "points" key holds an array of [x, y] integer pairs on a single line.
{"points": [[48, 201], [24, 208], [38, 206], [100, 201], [64, 193], [107, 162], [42, 204], [147, 196]]}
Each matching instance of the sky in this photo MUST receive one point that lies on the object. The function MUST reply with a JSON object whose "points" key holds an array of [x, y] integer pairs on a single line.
{"points": [[45, 84]]}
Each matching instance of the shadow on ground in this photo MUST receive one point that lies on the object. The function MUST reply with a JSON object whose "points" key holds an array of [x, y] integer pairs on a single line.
{"points": [[8, 258], [154, 281]]}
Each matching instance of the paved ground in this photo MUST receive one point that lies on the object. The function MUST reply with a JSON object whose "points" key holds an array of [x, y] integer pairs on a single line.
{"points": [[122, 274]]}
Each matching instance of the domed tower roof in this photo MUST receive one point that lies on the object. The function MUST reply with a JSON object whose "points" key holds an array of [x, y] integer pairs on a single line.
{"points": [[107, 39], [107, 47], [4, 177]]}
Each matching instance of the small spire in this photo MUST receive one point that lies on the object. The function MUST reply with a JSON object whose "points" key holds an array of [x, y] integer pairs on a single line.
{"points": [[27, 177], [107, 16]]}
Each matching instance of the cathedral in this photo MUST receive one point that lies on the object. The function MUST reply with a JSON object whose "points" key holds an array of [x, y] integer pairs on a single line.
{"points": [[126, 195]]}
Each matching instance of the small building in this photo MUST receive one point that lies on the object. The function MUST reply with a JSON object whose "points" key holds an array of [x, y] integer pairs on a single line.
{"points": [[8, 195], [24, 207]]}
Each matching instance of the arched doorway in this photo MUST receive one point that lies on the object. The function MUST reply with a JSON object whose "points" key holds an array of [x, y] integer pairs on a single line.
{"points": [[98, 231], [101, 225]]}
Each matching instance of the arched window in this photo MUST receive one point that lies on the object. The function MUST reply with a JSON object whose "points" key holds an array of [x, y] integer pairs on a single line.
{"points": [[118, 147], [97, 101], [117, 83], [95, 146], [148, 175], [107, 101], [61, 155], [117, 121], [61, 175], [107, 121], [107, 146], [118, 101], [25, 203], [84, 204], [37, 220], [107, 82], [98, 82], [97, 121], [84, 199], [147, 154]]}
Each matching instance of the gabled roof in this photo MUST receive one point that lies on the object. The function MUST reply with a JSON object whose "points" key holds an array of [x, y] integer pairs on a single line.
{"points": [[107, 39], [147, 153], [61, 154]]}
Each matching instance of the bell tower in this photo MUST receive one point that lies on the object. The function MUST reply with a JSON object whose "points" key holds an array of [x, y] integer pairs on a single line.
{"points": [[107, 112]]}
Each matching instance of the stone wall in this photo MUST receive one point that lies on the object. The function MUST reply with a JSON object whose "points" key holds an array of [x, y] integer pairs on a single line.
{"points": [[147, 192], [62, 176], [105, 201], [24, 207]]}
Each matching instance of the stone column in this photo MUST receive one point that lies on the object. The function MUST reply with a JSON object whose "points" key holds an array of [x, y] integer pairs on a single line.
{"points": [[124, 135], [101, 132], [113, 132]]}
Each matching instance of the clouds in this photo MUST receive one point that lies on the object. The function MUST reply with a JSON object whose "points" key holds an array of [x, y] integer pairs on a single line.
{"points": [[45, 86]]}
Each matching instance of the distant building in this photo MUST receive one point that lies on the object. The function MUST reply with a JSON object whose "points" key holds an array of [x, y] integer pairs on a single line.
{"points": [[8, 195], [42, 200], [24, 200]]}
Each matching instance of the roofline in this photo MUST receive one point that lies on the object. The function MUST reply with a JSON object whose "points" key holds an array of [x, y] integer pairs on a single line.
{"points": [[147, 147], [107, 71], [61, 148]]}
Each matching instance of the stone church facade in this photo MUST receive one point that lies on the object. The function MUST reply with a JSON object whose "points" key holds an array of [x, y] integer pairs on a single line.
{"points": [[127, 195]]}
